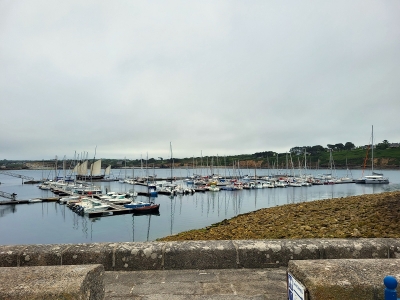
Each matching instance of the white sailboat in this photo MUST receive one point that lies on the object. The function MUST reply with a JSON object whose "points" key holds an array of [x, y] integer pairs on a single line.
{"points": [[347, 178], [374, 178]]}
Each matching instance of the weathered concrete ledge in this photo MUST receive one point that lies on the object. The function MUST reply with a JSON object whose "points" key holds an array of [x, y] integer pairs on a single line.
{"points": [[231, 254], [344, 279], [52, 282]]}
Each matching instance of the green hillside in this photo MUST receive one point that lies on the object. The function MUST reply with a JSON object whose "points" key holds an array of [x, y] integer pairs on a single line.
{"points": [[317, 157]]}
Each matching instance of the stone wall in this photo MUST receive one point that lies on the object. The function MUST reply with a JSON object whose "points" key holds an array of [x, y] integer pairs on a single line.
{"points": [[197, 254]]}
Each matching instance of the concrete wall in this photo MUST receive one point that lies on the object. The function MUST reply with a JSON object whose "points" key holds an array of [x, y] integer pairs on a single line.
{"points": [[196, 254]]}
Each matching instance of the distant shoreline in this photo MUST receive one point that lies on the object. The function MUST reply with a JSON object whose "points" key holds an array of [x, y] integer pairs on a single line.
{"points": [[389, 168]]}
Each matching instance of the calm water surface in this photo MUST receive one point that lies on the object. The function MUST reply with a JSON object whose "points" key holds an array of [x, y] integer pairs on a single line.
{"points": [[52, 223]]}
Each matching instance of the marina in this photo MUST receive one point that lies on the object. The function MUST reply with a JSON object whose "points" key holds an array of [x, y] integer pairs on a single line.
{"points": [[48, 221]]}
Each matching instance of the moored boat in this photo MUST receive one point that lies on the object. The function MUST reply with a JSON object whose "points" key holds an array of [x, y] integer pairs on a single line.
{"points": [[137, 204], [213, 188], [374, 178], [141, 207], [151, 209], [95, 206], [281, 184], [82, 171], [345, 180], [64, 200], [329, 181]]}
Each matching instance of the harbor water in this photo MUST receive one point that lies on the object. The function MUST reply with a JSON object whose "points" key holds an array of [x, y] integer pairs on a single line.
{"points": [[53, 223]]}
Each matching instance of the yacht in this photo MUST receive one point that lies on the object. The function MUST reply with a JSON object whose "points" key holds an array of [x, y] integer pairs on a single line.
{"points": [[375, 179]]}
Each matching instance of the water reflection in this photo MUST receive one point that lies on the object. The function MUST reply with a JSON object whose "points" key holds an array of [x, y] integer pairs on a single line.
{"points": [[144, 222], [6, 209], [173, 202], [85, 229]]}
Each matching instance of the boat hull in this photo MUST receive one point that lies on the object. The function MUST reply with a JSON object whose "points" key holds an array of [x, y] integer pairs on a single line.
{"points": [[376, 181], [151, 209], [88, 177]]}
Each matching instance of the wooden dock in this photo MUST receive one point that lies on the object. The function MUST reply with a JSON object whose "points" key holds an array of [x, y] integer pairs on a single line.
{"points": [[12, 202]]}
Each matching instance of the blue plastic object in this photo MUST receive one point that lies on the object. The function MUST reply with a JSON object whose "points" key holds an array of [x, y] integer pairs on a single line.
{"points": [[390, 291]]}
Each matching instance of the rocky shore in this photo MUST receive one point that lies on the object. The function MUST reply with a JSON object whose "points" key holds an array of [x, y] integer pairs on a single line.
{"points": [[364, 216]]}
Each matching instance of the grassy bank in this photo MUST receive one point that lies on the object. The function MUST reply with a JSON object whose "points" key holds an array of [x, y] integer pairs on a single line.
{"points": [[367, 216]]}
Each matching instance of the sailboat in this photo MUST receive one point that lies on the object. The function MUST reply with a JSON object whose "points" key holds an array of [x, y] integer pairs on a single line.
{"points": [[107, 171], [81, 170], [346, 179], [329, 179], [140, 207], [95, 171], [374, 178]]}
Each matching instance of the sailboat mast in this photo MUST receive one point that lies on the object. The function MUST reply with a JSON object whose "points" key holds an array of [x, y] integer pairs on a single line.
{"points": [[64, 162], [91, 167], [372, 151], [201, 163], [225, 165], [277, 162], [55, 170], [125, 167], [217, 166], [147, 170], [287, 166], [170, 147]]}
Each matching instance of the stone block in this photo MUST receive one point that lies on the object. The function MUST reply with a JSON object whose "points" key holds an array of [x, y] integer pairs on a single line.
{"points": [[259, 253], [200, 255], [85, 254], [354, 248], [9, 255], [299, 249], [41, 255], [52, 282], [139, 256], [393, 246], [344, 279]]}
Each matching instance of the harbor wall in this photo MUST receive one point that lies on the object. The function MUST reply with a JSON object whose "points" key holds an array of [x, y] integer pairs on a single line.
{"points": [[232, 254]]}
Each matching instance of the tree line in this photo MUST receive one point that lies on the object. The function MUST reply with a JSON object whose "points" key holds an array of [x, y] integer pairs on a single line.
{"points": [[335, 147], [318, 148]]}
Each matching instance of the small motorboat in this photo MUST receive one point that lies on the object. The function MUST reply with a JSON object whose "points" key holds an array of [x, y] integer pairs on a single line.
{"points": [[140, 207], [151, 209]]}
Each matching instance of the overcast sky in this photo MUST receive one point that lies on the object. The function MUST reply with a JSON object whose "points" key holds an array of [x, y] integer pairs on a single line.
{"points": [[211, 77]]}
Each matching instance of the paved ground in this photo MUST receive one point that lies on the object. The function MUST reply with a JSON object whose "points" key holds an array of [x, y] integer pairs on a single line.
{"points": [[221, 284]]}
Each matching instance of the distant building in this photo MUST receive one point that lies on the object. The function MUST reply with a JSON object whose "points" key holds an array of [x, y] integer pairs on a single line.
{"points": [[394, 145], [367, 146]]}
